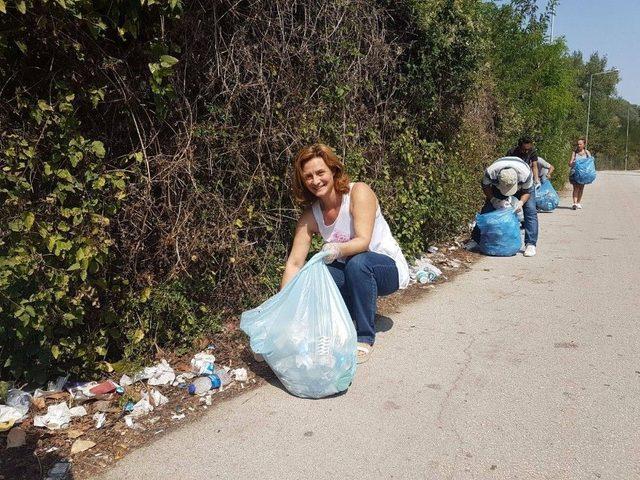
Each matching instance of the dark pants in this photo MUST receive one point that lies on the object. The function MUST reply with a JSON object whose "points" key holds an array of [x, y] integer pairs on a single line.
{"points": [[530, 219], [361, 279]]}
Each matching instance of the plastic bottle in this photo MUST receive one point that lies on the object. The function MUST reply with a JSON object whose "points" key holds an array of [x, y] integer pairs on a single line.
{"points": [[203, 384], [19, 400]]}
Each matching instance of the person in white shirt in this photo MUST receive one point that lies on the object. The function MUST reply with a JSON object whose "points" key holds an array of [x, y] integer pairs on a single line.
{"points": [[504, 178], [363, 257]]}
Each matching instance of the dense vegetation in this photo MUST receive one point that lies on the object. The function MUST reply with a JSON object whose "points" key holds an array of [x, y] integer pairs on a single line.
{"points": [[146, 148]]}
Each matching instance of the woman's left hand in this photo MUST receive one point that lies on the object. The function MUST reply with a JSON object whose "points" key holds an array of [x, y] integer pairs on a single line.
{"points": [[333, 250]]}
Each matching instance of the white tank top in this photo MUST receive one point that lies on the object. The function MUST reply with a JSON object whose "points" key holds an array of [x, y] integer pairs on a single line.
{"points": [[382, 240]]}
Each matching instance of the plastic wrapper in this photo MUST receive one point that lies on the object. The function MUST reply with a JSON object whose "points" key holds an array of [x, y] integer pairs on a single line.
{"points": [[547, 199], [499, 232], [305, 333], [584, 171]]}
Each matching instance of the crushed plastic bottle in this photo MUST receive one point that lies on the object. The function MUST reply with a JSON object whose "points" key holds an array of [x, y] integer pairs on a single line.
{"points": [[19, 400], [202, 385]]}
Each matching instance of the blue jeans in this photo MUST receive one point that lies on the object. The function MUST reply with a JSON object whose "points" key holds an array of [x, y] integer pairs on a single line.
{"points": [[530, 219], [361, 279]]}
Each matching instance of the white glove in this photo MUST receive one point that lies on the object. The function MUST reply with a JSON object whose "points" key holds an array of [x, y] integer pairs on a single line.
{"points": [[499, 204], [518, 206], [333, 250]]}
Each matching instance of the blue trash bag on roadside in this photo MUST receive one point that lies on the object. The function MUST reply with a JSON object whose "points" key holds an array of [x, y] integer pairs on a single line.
{"points": [[584, 171], [499, 232], [305, 333], [547, 199]]}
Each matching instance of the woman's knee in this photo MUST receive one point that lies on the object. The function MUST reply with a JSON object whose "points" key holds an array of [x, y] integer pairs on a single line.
{"points": [[358, 266]]}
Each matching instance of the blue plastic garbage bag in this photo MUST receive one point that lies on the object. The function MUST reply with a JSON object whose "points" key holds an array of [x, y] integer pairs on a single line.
{"points": [[499, 232], [547, 199], [584, 171], [305, 333]]}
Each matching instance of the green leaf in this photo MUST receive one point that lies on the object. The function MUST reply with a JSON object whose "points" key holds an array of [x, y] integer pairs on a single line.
{"points": [[19, 44], [44, 106], [145, 294], [138, 335], [29, 218], [98, 148], [55, 351], [22, 7], [168, 61], [3, 7]]}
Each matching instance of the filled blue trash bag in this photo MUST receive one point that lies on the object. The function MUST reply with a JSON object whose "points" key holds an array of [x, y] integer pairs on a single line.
{"points": [[584, 171], [305, 333], [499, 232], [547, 199]]}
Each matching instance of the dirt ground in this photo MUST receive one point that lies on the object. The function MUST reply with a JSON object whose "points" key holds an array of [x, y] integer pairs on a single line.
{"points": [[114, 440]]}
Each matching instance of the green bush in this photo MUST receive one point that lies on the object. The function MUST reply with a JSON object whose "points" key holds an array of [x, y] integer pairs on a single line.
{"points": [[146, 150]]}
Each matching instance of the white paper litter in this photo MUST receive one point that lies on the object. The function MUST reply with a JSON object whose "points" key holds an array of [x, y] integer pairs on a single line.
{"points": [[183, 378], [203, 363], [159, 374], [125, 380], [58, 416], [99, 418], [78, 411], [240, 374], [158, 398], [9, 415]]}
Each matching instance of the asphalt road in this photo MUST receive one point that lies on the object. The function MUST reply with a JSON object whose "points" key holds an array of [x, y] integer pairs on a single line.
{"points": [[522, 368]]}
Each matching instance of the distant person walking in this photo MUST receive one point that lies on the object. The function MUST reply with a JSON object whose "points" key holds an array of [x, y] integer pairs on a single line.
{"points": [[578, 189]]}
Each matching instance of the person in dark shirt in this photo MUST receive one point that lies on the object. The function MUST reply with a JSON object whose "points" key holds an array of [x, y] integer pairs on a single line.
{"points": [[527, 153]]}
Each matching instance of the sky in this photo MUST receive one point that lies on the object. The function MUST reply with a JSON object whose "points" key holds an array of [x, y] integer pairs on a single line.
{"points": [[610, 27]]}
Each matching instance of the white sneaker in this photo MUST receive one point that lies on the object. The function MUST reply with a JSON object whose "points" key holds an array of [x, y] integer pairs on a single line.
{"points": [[578, 206], [471, 245], [530, 251]]}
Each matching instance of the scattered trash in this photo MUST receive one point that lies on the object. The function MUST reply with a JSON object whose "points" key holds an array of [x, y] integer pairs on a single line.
{"points": [[19, 400], [158, 398], [99, 418], [59, 471], [8, 417], [58, 416], [82, 392], [128, 407], [125, 380], [81, 445], [128, 420], [159, 374], [78, 411], [143, 407], [202, 385], [177, 416], [428, 273], [16, 438], [208, 400], [52, 449], [58, 384], [240, 374], [182, 379], [432, 249], [203, 363], [104, 388]]}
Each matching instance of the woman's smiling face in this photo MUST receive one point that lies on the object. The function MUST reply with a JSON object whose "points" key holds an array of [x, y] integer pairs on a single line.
{"points": [[317, 177]]}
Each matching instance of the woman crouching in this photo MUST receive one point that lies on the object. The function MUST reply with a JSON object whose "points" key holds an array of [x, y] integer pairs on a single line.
{"points": [[364, 259]]}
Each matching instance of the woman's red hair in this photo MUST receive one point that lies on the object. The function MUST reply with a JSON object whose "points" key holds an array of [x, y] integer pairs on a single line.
{"points": [[340, 179]]}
